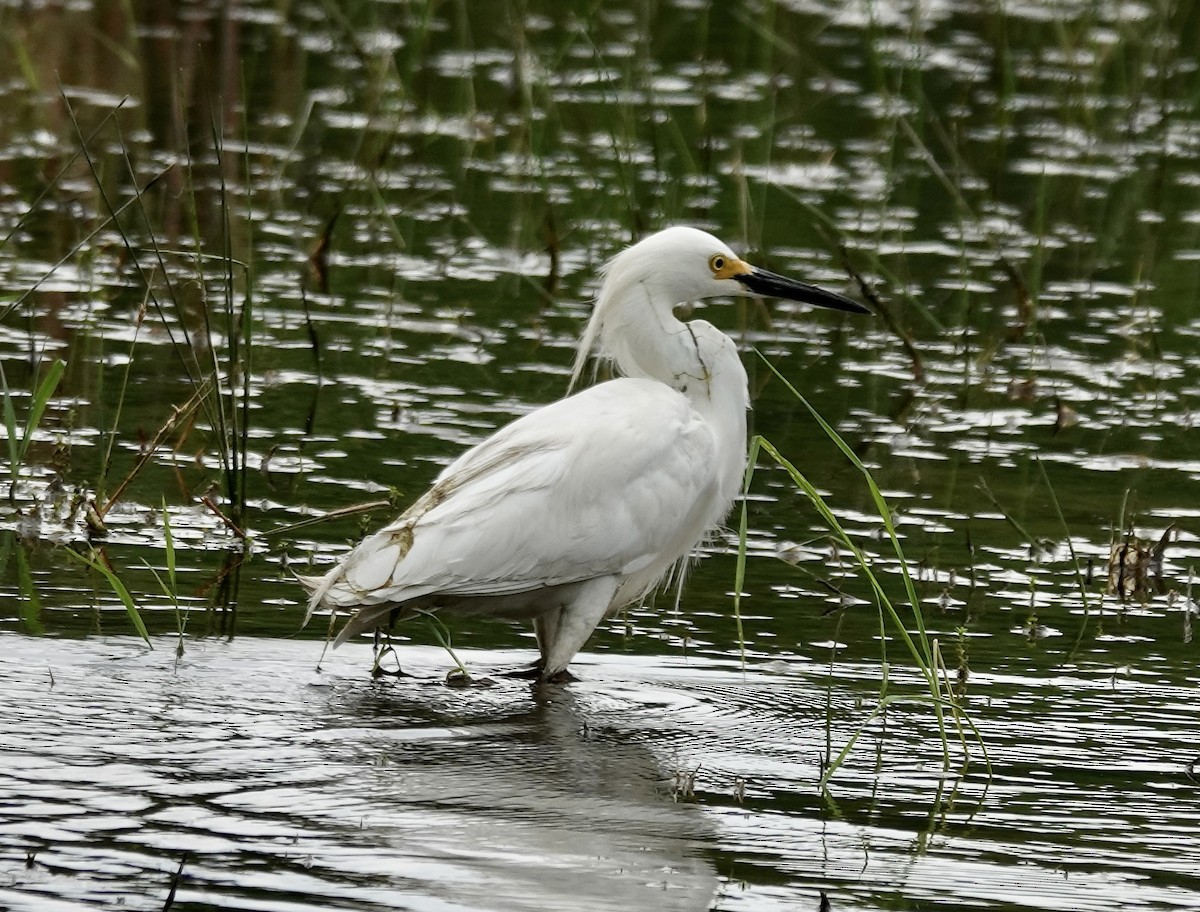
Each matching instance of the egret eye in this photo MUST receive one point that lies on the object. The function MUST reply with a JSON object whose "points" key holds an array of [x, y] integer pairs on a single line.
{"points": [[716, 262]]}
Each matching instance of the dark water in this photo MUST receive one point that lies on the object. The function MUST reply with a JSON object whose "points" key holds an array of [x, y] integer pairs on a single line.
{"points": [[1019, 187]]}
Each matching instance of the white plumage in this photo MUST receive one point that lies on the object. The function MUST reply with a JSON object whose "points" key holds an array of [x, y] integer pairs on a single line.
{"points": [[583, 506]]}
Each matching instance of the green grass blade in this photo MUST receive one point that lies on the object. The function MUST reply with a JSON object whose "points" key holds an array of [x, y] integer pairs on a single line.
{"points": [[1079, 581], [10, 425], [885, 513], [921, 648], [1008, 517], [41, 399], [441, 633], [121, 592], [739, 577], [169, 542], [158, 578], [924, 661], [836, 762], [921, 651], [106, 464]]}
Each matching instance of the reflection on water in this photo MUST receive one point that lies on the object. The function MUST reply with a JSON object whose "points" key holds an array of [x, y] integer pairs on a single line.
{"points": [[319, 790], [640, 787], [377, 226]]}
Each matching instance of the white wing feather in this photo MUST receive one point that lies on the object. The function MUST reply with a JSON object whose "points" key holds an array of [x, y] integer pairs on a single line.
{"points": [[619, 479]]}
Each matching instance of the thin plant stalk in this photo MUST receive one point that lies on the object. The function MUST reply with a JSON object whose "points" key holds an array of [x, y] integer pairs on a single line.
{"points": [[739, 577], [177, 414], [442, 634], [106, 465], [1079, 580], [340, 513]]}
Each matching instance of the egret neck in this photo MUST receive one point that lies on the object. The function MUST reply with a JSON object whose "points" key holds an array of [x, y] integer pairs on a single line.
{"points": [[634, 326]]}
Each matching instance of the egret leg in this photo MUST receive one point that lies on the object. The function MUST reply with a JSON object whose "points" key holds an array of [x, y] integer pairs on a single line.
{"points": [[562, 633], [545, 626]]}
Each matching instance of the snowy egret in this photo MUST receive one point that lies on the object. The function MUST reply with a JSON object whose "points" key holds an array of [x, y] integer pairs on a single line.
{"points": [[583, 506]]}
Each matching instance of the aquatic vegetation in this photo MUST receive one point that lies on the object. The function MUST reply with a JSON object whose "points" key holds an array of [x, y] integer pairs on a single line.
{"points": [[923, 650], [459, 676], [169, 584], [1135, 566], [96, 560], [19, 438]]}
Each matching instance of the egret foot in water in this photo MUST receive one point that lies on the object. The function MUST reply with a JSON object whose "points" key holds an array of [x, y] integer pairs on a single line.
{"points": [[533, 672], [381, 653], [584, 506], [530, 672]]}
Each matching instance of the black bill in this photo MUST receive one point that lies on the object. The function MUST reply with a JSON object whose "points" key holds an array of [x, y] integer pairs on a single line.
{"points": [[770, 285]]}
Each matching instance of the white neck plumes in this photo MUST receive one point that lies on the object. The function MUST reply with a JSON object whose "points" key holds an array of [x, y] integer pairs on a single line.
{"points": [[634, 324]]}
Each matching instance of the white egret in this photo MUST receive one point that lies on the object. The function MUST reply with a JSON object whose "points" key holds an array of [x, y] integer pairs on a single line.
{"points": [[583, 506]]}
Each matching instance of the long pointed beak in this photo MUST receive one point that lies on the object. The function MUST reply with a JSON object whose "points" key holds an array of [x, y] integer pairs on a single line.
{"points": [[770, 285]]}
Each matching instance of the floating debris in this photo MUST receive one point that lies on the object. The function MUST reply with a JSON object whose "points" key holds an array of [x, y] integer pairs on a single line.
{"points": [[1064, 416], [1135, 566]]}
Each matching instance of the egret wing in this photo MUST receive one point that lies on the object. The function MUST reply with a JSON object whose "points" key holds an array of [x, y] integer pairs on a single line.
{"points": [[618, 479]]}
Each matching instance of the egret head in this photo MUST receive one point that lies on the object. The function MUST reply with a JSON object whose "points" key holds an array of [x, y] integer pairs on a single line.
{"points": [[686, 264], [647, 281], [683, 264]]}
